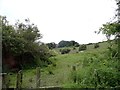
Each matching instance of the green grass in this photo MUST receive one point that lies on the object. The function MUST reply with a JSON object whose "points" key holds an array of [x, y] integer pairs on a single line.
{"points": [[27, 76], [59, 73]]}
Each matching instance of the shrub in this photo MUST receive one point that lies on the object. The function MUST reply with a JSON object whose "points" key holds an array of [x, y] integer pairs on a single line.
{"points": [[76, 45], [74, 48], [30, 80], [89, 43], [64, 51], [97, 74], [82, 47], [77, 52], [54, 64], [50, 72], [52, 53], [96, 45]]}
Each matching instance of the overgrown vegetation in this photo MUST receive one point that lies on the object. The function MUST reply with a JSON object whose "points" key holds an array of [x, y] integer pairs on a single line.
{"points": [[60, 73], [82, 47], [101, 70], [67, 44], [64, 51], [51, 45], [97, 71], [96, 45], [97, 67], [20, 46]]}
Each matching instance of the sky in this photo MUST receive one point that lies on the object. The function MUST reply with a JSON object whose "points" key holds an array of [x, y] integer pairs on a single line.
{"points": [[62, 19]]}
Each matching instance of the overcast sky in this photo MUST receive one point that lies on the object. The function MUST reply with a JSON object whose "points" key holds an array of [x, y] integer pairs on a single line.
{"points": [[62, 19]]}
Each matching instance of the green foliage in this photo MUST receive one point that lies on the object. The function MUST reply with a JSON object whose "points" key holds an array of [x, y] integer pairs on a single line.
{"points": [[67, 44], [74, 48], [93, 69], [44, 54], [52, 53], [89, 43], [51, 45], [82, 47], [63, 44], [96, 45], [50, 72], [97, 72], [73, 43], [21, 41], [19, 38], [110, 29], [109, 73], [64, 51]]}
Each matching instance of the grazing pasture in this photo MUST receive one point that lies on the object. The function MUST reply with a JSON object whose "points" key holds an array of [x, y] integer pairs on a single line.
{"points": [[60, 72]]}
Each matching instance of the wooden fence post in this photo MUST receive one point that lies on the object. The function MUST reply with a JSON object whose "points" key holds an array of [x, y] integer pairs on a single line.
{"points": [[37, 77], [19, 80], [5, 81], [74, 74], [95, 77]]}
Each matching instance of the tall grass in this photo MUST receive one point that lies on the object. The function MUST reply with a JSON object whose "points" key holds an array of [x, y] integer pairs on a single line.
{"points": [[97, 71]]}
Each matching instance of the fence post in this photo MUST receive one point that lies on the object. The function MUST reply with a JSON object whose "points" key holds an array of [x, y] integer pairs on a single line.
{"points": [[74, 73], [5, 81], [19, 80], [95, 77], [38, 77], [0, 81]]}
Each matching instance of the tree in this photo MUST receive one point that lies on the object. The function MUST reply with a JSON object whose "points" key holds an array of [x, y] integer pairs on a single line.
{"points": [[113, 29], [21, 41], [67, 43], [82, 47], [63, 44], [51, 45], [11, 41], [73, 43]]}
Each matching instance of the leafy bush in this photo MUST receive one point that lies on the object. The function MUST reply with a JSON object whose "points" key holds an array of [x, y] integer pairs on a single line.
{"points": [[50, 72], [97, 72], [64, 51], [89, 43], [74, 48], [67, 44], [51, 45], [21, 42], [82, 47], [96, 45], [76, 45]]}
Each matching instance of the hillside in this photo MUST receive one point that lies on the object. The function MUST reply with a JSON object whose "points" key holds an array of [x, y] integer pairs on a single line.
{"points": [[59, 73]]}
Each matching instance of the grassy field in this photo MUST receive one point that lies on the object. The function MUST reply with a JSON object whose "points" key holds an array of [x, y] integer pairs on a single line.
{"points": [[60, 72]]}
